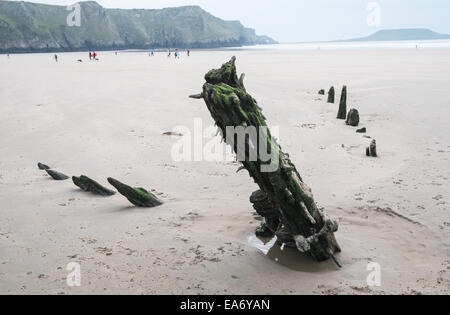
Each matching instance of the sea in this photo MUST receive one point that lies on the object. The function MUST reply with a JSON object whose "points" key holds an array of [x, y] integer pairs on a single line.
{"points": [[418, 44]]}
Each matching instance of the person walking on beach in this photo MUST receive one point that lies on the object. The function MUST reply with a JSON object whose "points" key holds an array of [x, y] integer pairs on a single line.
{"points": [[188, 52], [170, 54], [152, 53], [90, 56], [56, 57]]}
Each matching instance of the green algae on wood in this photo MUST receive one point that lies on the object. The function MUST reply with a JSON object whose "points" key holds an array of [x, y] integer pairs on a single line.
{"points": [[89, 185], [282, 191], [137, 196]]}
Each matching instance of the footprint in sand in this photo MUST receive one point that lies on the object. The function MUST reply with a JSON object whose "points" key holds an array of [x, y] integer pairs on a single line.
{"points": [[104, 250], [308, 126], [191, 216]]}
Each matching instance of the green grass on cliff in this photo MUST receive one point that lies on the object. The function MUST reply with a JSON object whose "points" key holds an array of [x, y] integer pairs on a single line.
{"points": [[37, 27]]}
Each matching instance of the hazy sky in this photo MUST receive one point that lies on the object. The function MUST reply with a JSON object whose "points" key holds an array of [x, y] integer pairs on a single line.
{"points": [[311, 20]]}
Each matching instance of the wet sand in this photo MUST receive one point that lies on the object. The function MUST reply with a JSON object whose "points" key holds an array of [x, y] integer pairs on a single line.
{"points": [[107, 118]]}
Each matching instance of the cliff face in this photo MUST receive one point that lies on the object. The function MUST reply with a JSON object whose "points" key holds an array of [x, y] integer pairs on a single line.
{"points": [[30, 27]]}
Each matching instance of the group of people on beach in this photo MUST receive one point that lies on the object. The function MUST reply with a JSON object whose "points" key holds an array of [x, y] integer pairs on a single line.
{"points": [[93, 55], [177, 54]]}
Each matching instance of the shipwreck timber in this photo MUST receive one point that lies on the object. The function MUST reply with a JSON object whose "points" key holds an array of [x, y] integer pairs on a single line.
{"points": [[56, 175], [138, 196], [89, 185], [284, 199]]}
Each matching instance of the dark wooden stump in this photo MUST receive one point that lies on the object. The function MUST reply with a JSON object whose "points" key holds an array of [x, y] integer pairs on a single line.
{"points": [[372, 149], [342, 113], [331, 95], [353, 118]]}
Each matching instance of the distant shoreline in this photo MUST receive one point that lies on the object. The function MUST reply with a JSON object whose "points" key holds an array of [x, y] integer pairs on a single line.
{"points": [[353, 45], [196, 46], [311, 46]]}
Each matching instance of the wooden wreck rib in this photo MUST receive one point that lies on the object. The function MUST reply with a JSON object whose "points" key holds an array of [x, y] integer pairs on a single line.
{"points": [[301, 223]]}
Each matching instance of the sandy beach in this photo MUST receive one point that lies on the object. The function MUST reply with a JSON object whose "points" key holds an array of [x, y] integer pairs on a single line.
{"points": [[107, 119]]}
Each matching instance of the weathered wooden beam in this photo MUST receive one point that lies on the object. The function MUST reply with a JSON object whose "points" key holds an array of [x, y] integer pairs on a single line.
{"points": [[331, 95], [371, 151], [342, 113], [56, 175], [353, 118], [301, 223], [89, 185], [43, 167], [139, 197]]}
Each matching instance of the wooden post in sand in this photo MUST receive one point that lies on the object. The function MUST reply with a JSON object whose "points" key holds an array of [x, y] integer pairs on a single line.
{"points": [[331, 95], [353, 118], [301, 223], [371, 151], [342, 113]]}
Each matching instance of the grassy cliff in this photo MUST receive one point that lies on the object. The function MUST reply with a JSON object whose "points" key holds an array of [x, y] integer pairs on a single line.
{"points": [[30, 27]]}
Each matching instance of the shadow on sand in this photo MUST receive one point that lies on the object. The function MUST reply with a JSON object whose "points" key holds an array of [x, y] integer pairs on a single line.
{"points": [[289, 257]]}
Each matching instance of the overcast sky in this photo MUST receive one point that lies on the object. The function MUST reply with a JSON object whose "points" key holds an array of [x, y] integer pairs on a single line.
{"points": [[311, 20]]}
